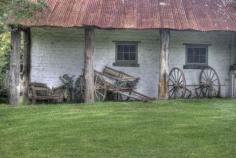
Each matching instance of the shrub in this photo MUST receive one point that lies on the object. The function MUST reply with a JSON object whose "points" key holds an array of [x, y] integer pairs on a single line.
{"points": [[4, 64]]}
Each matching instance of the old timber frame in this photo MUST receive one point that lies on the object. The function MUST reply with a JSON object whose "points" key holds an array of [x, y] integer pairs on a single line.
{"points": [[19, 76], [26, 64], [164, 64], [88, 64], [14, 80]]}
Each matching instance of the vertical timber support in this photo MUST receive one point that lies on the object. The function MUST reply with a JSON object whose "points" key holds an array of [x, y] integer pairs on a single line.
{"points": [[26, 64], [88, 65], [164, 64], [14, 81]]}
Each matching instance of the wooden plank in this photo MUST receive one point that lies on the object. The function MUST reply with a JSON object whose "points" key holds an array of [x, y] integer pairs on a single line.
{"points": [[88, 65], [14, 82], [134, 95], [164, 64], [118, 75]]}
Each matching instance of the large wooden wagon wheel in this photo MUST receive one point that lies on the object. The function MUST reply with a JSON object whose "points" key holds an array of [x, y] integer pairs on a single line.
{"points": [[100, 88], [176, 84], [209, 83]]}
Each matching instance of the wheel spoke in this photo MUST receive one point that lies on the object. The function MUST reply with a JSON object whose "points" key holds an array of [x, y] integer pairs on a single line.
{"points": [[174, 75], [206, 90], [179, 79], [204, 74], [203, 78], [171, 89], [209, 73], [177, 74], [101, 94], [171, 80], [175, 93], [172, 93]]}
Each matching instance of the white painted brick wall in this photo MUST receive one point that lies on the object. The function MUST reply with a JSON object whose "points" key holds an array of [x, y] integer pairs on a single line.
{"points": [[219, 54], [59, 51]]}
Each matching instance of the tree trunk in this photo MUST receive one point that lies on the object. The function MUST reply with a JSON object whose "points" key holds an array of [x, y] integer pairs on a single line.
{"points": [[88, 65], [26, 64], [14, 82], [164, 65]]}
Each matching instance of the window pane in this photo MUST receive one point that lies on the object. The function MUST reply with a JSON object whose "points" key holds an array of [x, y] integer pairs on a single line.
{"points": [[197, 59], [190, 51], [120, 48], [202, 59], [196, 51], [132, 56], [126, 48], [190, 59], [133, 48], [203, 51], [120, 56], [196, 55], [126, 56]]}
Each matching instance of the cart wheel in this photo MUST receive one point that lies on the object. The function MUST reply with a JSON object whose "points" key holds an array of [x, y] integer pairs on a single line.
{"points": [[209, 83], [100, 88], [176, 84]]}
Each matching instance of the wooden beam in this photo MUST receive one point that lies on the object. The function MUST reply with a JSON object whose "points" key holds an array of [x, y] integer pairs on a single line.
{"points": [[26, 64], [164, 65], [88, 65], [14, 81]]}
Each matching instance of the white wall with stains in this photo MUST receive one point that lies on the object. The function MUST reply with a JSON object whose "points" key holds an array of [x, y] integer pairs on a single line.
{"points": [[60, 51]]}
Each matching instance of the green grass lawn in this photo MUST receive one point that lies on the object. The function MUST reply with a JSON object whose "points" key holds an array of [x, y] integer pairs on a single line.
{"points": [[166, 129]]}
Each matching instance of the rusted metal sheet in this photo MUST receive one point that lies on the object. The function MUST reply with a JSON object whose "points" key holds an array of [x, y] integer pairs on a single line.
{"points": [[201, 15]]}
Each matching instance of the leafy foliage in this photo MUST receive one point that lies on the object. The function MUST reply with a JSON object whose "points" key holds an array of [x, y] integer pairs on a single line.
{"points": [[4, 62], [12, 9], [4, 51], [16, 9]]}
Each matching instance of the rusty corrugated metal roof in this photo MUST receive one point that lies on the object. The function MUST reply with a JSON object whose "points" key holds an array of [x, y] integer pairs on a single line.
{"points": [[201, 15]]}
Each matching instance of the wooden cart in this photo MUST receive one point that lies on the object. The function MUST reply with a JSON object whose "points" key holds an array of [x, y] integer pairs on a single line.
{"points": [[114, 81], [209, 84], [41, 92]]}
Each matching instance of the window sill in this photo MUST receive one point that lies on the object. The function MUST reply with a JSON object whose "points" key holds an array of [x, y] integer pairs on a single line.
{"points": [[195, 66], [126, 64]]}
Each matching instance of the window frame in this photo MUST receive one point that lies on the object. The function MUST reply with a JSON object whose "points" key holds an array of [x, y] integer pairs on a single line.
{"points": [[189, 65], [126, 63]]}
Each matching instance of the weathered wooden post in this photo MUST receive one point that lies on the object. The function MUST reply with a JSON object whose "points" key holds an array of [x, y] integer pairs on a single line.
{"points": [[164, 65], [14, 80], [88, 65], [26, 64]]}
